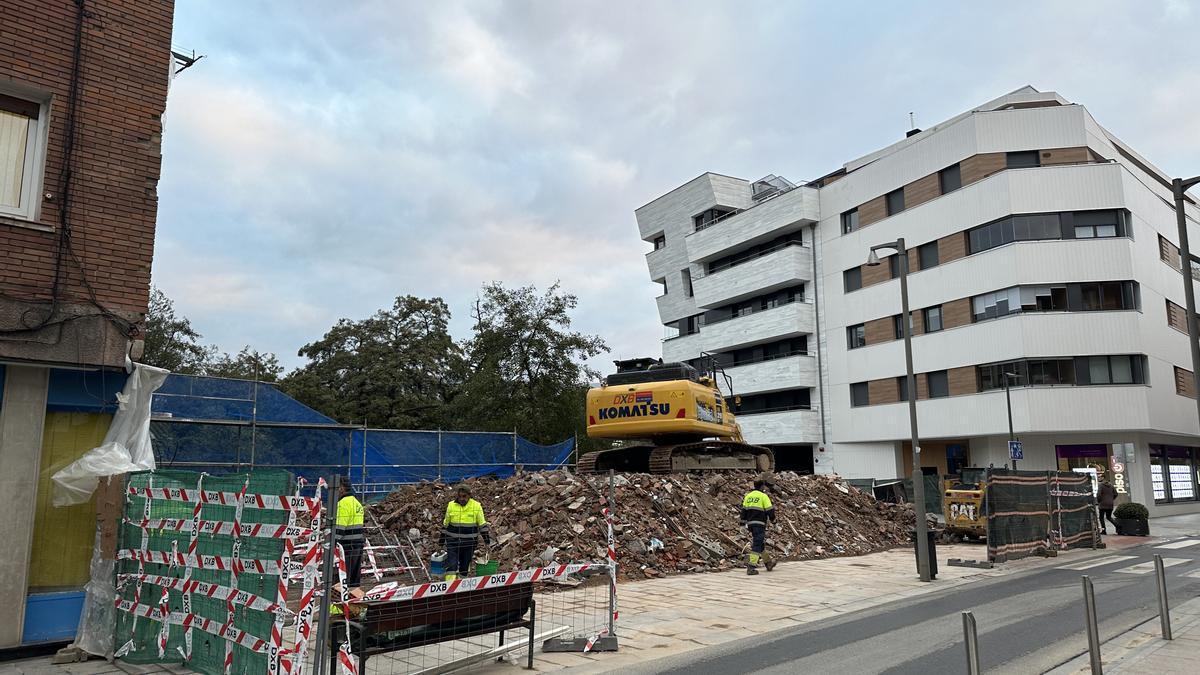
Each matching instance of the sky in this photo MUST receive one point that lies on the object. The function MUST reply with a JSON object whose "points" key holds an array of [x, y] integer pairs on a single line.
{"points": [[324, 158]]}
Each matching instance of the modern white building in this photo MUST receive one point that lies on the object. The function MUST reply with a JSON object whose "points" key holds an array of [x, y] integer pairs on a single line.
{"points": [[1042, 250]]}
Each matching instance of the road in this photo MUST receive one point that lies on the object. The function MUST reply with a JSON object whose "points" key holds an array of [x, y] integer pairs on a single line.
{"points": [[1027, 624]]}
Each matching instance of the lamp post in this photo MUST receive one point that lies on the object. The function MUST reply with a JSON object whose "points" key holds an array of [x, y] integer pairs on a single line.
{"points": [[1179, 186], [918, 477], [1008, 400]]}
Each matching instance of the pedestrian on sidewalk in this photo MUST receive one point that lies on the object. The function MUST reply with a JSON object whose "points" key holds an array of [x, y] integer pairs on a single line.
{"points": [[757, 511], [462, 527], [1106, 496]]}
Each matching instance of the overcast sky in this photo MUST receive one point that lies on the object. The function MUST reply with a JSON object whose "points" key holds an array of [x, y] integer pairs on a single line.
{"points": [[326, 157]]}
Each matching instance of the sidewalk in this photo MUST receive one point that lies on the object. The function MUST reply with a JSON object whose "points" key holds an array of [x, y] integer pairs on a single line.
{"points": [[1142, 650], [668, 616]]}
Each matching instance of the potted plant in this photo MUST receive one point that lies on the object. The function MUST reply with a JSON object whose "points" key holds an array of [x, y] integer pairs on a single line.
{"points": [[1132, 519]]}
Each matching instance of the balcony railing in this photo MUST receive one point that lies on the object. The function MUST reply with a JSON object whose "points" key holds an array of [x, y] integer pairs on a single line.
{"points": [[724, 216], [715, 269]]}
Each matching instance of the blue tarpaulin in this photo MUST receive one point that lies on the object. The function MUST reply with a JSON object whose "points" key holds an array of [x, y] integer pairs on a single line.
{"points": [[222, 425]]}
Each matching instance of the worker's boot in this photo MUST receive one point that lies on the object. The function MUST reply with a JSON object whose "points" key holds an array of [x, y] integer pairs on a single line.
{"points": [[770, 564], [751, 570]]}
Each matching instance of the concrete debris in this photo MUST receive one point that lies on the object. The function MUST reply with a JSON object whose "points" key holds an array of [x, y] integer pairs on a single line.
{"points": [[664, 524]]}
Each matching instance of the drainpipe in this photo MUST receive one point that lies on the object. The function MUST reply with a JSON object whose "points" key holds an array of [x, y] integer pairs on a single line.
{"points": [[817, 312]]}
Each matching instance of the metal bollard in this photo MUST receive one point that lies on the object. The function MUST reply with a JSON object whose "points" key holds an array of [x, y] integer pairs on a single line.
{"points": [[1093, 630], [1164, 611], [971, 639]]}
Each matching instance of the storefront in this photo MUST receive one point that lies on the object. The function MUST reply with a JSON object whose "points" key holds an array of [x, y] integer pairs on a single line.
{"points": [[1082, 456], [1173, 473]]}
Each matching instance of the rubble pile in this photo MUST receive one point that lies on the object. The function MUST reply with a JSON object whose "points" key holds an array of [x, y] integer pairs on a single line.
{"points": [[663, 524]]}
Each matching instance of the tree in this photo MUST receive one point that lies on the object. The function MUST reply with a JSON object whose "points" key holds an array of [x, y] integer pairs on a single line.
{"points": [[527, 367], [248, 364], [397, 369], [170, 340]]}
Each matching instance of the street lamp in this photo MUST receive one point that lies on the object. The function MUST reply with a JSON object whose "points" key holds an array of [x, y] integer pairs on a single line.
{"points": [[1008, 400], [918, 477], [1179, 186]]}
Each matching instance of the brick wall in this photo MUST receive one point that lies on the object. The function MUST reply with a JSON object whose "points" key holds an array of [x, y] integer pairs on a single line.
{"points": [[122, 95]]}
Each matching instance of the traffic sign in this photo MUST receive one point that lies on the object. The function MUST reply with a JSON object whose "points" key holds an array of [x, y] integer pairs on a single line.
{"points": [[1015, 451]]}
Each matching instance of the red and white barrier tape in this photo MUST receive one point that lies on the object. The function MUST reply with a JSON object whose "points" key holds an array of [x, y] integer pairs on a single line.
{"points": [[164, 632], [347, 664], [223, 527], [224, 631], [250, 501], [218, 592], [204, 562], [275, 655], [310, 569], [395, 591], [235, 568]]}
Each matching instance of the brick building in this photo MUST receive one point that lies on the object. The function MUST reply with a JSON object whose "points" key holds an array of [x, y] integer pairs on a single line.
{"points": [[83, 86]]}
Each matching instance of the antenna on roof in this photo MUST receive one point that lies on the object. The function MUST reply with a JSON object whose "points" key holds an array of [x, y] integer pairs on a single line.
{"points": [[912, 121]]}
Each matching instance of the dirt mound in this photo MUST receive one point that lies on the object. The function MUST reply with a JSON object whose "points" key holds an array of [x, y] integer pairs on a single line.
{"points": [[663, 524]]}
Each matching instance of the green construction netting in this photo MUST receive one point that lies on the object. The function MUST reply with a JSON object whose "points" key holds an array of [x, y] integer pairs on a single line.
{"points": [[208, 651], [1035, 512]]}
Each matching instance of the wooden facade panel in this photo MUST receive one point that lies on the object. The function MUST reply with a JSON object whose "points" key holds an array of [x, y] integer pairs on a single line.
{"points": [[956, 313], [952, 247], [1064, 156], [978, 167], [962, 381], [1185, 385], [883, 391], [922, 190], [872, 212], [1176, 317], [875, 274], [922, 386], [880, 330]]}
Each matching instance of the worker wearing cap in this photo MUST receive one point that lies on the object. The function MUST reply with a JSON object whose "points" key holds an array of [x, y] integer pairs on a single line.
{"points": [[462, 527], [349, 527], [757, 511]]}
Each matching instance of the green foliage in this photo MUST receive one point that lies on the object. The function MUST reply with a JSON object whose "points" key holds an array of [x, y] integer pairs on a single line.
{"points": [[526, 365], [397, 369], [170, 340], [1131, 511]]}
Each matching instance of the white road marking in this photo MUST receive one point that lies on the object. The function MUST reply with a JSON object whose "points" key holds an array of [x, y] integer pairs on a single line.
{"points": [[1148, 566], [1194, 574], [1180, 544], [1096, 562]]}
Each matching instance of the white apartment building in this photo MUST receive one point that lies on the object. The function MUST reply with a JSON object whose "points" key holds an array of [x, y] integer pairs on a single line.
{"points": [[1040, 246]]}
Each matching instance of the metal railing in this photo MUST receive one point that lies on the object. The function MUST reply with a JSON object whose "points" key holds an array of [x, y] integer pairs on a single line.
{"points": [[728, 266]]}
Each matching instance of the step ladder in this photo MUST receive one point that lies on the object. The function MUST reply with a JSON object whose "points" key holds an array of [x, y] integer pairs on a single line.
{"points": [[391, 556]]}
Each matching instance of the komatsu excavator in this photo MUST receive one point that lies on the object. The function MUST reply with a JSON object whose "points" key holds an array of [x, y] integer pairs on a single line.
{"points": [[669, 417]]}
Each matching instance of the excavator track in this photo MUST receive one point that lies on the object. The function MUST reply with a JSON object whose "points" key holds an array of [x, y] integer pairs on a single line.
{"points": [[682, 457]]}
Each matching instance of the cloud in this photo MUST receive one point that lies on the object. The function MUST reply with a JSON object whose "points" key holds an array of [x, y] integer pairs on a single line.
{"points": [[325, 158]]}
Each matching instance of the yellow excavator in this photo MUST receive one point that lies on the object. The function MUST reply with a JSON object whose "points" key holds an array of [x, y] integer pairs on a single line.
{"points": [[669, 417]]}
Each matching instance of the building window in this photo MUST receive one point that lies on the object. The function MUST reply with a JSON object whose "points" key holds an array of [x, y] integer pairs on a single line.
{"points": [[754, 252], [687, 282], [1124, 369], [776, 401], [902, 387], [950, 179], [1168, 252], [856, 336], [758, 303], [660, 242], [898, 328], [1023, 160], [858, 395], [939, 384], [1184, 383], [1048, 372], [22, 149], [850, 221], [852, 279], [895, 201], [1108, 295], [894, 266], [1040, 226], [1174, 472], [770, 351], [710, 217], [933, 319], [928, 254]]}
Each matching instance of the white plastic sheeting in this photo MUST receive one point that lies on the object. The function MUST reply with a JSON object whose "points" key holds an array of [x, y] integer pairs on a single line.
{"points": [[126, 446]]}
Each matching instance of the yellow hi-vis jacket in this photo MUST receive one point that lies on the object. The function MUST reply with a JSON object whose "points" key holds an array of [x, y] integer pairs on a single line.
{"points": [[757, 508], [464, 523], [349, 519]]}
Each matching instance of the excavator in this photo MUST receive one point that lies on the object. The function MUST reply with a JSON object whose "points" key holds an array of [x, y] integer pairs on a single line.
{"points": [[669, 418]]}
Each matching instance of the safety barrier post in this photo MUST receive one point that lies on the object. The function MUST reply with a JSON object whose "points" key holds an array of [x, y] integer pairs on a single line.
{"points": [[971, 639], [612, 587], [1164, 611], [1093, 630], [323, 632]]}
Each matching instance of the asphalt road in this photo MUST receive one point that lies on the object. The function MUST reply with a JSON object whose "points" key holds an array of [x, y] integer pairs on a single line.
{"points": [[1027, 623]]}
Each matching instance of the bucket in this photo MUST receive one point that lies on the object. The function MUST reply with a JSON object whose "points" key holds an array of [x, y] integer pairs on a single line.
{"points": [[487, 568], [437, 564]]}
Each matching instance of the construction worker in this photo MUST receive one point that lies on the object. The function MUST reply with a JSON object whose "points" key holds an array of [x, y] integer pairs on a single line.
{"points": [[463, 525], [757, 511], [349, 527]]}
